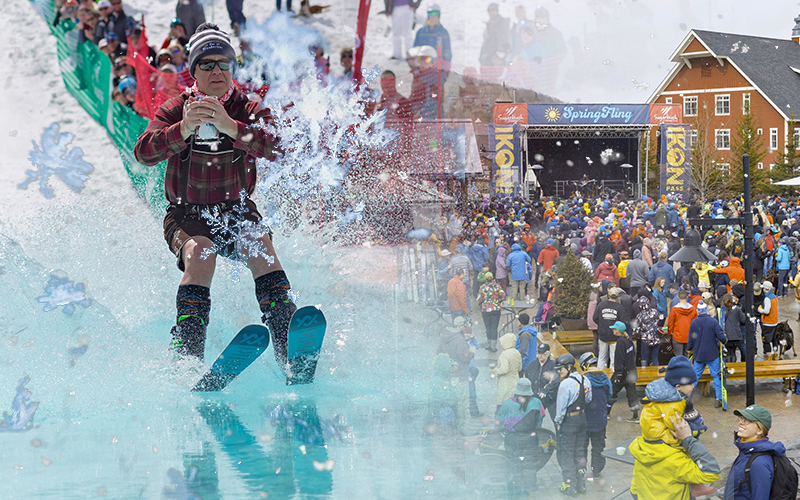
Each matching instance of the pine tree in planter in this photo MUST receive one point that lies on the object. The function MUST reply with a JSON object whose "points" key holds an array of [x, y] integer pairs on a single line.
{"points": [[572, 284]]}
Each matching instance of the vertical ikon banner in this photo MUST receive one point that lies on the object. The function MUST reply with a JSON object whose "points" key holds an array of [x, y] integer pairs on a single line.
{"points": [[675, 180], [506, 164]]}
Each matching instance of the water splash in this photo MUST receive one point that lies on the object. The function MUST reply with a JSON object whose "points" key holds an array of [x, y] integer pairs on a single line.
{"points": [[21, 419], [53, 159]]}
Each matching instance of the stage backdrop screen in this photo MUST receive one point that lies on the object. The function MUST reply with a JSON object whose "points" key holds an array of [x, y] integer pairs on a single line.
{"points": [[675, 179]]}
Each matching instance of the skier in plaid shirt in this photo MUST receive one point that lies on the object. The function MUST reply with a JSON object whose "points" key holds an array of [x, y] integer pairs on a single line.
{"points": [[210, 137]]}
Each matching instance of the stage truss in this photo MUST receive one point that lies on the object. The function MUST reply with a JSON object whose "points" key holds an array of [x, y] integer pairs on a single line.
{"points": [[639, 132]]}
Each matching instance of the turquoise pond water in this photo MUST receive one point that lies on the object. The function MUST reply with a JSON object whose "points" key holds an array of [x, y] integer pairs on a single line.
{"points": [[115, 418]]}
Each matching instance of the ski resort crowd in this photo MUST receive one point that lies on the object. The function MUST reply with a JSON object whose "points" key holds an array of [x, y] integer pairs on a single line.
{"points": [[643, 310]]}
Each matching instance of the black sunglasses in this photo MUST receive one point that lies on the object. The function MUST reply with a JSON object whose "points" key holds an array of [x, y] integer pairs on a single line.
{"points": [[209, 65]]}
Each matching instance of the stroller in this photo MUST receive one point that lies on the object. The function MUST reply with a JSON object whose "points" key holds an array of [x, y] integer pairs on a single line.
{"points": [[546, 318]]}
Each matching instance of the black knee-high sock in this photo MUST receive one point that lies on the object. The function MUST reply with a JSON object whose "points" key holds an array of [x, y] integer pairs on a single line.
{"points": [[272, 289], [272, 292], [193, 301]]}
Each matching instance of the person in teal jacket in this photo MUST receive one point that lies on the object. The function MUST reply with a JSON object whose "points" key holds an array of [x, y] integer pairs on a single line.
{"points": [[518, 418]]}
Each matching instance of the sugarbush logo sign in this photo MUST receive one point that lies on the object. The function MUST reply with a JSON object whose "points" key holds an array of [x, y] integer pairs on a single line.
{"points": [[505, 172], [675, 160]]}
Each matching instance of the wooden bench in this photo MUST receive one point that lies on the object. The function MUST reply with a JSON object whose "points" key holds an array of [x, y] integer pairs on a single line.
{"points": [[556, 348], [736, 371], [570, 337]]}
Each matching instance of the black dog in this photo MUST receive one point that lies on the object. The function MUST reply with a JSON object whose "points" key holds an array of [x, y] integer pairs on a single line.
{"points": [[785, 338]]}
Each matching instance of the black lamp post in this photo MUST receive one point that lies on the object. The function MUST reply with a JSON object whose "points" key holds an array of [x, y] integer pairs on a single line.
{"points": [[692, 251]]}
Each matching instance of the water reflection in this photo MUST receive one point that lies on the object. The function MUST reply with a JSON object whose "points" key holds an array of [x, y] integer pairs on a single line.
{"points": [[280, 465]]}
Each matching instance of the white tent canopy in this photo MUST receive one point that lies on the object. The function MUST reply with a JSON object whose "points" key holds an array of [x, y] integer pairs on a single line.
{"points": [[794, 181]]}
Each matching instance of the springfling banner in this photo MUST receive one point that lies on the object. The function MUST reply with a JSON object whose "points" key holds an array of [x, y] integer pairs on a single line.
{"points": [[506, 163], [675, 178], [588, 114]]}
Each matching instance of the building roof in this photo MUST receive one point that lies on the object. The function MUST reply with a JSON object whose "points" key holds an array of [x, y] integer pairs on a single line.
{"points": [[772, 65]]}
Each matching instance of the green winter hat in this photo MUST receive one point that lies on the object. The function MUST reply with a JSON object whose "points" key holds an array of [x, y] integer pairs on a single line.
{"points": [[756, 413]]}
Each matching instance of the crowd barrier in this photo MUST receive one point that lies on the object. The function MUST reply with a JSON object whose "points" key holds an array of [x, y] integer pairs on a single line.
{"points": [[87, 74]]}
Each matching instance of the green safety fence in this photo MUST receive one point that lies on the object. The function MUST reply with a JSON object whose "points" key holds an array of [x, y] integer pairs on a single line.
{"points": [[87, 75]]}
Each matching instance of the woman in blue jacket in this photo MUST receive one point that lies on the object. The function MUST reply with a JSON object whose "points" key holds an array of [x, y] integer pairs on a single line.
{"points": [[783, 262], [754, 424]]}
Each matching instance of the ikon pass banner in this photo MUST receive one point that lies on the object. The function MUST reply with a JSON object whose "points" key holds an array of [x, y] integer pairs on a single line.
{"points": [[506, 163], [675, 178]]}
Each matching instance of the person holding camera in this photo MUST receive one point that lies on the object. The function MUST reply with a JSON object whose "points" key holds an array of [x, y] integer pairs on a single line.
{"points": [[210, 137]]}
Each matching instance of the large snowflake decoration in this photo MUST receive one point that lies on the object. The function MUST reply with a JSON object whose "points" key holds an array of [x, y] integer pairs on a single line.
{"points": [[351, 215], [53, 159], [232, 230], [62, 292], [21, 418], [186, 488]]}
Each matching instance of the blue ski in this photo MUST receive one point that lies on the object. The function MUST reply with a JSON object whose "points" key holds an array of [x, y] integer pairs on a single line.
{"points": [[245, 347], [306, 332]]}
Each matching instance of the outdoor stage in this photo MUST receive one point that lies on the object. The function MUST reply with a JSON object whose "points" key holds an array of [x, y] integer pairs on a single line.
{"points": [[546, 149]]}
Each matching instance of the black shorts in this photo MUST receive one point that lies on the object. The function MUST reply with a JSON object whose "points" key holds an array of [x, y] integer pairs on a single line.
{"points": [[183, 222]]}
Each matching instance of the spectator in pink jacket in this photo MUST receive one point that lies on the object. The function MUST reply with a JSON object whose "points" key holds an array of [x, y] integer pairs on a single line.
{"points": [[502, 267]]}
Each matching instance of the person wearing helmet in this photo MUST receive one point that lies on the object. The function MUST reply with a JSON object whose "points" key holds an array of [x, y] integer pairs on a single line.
{"points": [[596, 412], [574, 393]]}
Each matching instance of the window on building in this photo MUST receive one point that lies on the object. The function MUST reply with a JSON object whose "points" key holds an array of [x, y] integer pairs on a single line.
{"points": [[796, 138], [690, 106], [773, 140], [759, 131], [760, 166], [746, 103], [724, 168], [692, 138], [723, 136], [723, 104], [668, 100]]}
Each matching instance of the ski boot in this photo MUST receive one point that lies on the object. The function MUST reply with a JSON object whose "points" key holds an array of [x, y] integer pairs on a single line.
{"points": [[580, 483], [188, 338], [567, 489], [277, 320]]}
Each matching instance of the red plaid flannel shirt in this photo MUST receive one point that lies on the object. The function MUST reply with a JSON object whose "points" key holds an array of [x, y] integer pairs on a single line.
{"points": [[212, 177]]}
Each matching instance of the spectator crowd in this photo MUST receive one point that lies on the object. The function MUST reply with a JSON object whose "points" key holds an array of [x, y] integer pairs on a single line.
{"points": [[643, 310]]}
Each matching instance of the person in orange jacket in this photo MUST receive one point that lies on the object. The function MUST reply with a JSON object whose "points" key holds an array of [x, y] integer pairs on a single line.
{"points": [[457, 294], [680, 319], [528, 237], [733, 271], [548, 255]]}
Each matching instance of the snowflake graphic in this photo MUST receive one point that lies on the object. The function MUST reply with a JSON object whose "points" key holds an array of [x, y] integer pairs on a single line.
{"points": [[233, 230], [62, 292], [53, 159], [186, 488], [351, 215], [21, 418], [640, 86]]}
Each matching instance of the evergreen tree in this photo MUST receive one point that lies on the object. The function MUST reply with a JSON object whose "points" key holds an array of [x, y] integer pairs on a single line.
{"points": [[572, 286], [746, 140], [787, 165]]}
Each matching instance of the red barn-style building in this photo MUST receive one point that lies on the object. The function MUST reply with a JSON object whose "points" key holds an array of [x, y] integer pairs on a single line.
{"points": [[725, 75]]}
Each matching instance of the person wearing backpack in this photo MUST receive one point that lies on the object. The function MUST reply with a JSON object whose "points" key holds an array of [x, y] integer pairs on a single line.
{"points": [[761, 471]]}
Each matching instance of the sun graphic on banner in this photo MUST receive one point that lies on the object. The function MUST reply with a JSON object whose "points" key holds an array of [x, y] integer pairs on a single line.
{"points": [[552, 114]]}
